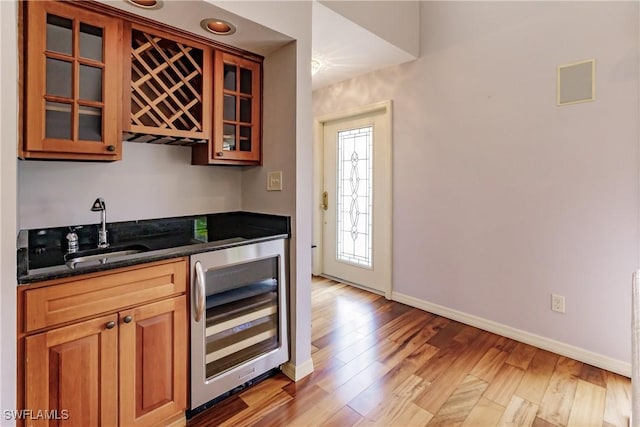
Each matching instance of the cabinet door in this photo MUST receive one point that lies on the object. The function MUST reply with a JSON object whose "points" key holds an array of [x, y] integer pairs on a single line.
{"points": [[72, 372], [237, 109], [153, 362], [72, 86]]}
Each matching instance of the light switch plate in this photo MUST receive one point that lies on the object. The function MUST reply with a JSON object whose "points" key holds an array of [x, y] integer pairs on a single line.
{"points": [[274, 181]]}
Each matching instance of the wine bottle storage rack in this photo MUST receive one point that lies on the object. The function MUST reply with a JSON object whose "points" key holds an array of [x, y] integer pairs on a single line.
{"points": [[162, 139], [166, 86]]}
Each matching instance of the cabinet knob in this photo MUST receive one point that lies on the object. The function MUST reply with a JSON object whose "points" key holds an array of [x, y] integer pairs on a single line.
{"points": [[219, 154], [111, 325], [128, 319], [111, 148]]}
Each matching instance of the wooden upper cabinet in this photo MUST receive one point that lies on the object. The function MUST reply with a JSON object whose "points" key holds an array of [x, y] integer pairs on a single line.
{"points": [[169, 87], [94, 77], [237, 113], [72, 83]]}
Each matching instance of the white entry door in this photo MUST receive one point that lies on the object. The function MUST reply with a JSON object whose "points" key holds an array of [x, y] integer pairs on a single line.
{"points": [[356, 235]]}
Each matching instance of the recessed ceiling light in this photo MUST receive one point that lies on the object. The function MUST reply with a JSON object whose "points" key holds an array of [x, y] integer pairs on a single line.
{"points": [[315, 66], [146, 4], [218, 26]]}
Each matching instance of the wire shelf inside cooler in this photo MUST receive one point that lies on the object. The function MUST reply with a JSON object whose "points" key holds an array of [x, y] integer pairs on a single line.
{"points": [[238, 294], [241, 324]]}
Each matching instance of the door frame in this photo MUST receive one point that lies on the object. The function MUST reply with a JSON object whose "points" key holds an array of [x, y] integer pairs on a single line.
{"points": [[318, 178]]}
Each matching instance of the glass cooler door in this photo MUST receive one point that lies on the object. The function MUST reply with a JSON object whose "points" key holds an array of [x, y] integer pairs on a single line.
{"points": [[242, 318]]}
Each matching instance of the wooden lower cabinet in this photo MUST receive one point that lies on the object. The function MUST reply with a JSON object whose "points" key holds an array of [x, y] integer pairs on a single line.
{"points": [[73, 372], [127, 367], [153, 364]]}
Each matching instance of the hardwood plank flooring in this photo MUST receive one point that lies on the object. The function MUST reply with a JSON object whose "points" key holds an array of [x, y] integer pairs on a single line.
{"points": [[382, 363]]}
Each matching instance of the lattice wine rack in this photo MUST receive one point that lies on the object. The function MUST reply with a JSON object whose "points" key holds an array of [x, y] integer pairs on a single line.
{"points": [[167, 80]]}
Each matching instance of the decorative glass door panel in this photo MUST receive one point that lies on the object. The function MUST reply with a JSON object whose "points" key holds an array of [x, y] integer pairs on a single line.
{"points": [[354, 196]]}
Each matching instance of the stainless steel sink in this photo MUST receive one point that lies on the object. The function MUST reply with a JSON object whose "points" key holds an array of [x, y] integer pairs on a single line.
{"points": [[101, 255]]}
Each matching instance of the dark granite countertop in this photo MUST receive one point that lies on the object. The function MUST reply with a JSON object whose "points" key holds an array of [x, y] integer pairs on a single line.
{"points": [[41, 252]]}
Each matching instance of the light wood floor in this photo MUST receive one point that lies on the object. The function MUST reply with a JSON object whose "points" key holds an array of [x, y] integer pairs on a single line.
{"points": [[381, 363]]}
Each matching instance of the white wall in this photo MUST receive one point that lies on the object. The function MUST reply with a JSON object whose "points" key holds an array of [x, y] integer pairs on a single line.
{"points": [[500, 196], [152, 181], [396, 21], [9, 132]]}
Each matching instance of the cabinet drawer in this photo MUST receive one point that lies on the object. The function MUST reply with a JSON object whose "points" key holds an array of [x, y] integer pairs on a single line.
{"points": [[79, 298]]}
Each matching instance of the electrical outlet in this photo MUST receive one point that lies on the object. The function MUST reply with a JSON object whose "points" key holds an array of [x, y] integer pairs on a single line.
{"points": [[557, 303], [274, 181]]}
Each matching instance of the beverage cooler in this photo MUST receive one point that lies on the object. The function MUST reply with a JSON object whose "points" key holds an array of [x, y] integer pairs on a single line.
{"points": [[238, 317]]}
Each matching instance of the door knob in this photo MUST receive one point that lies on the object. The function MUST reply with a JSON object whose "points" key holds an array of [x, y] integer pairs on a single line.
{"points": [[110, 325], [128, 319]]}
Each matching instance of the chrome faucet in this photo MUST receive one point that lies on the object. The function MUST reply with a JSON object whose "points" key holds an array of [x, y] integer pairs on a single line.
{"points": [[99, 206]]}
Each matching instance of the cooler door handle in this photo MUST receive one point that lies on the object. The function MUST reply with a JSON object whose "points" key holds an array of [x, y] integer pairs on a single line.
{"points": [[198, 291]]}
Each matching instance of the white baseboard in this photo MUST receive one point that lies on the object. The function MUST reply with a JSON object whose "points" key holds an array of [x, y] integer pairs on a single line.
{"points": [[577, 353], [297, 372]]}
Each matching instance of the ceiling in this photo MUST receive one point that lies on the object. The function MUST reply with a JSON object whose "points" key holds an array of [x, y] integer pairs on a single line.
{"points": [[346, 51], [187, 15]]}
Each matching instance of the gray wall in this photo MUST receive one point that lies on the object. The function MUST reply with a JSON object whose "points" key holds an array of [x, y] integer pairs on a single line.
{"points": [[500, 196], [152, 181], [281, 124]]}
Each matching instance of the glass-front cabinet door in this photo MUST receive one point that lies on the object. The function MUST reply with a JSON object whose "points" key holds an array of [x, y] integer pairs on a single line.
{"points": [[72, 87], [237, 108]]}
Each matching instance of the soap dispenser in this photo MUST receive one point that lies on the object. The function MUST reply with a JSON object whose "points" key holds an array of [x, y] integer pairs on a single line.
{"points": [[72, 240]]}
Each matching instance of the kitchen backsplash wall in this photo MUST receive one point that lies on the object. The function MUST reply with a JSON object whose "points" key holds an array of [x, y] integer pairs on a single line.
{"points": [[152, 181]]}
